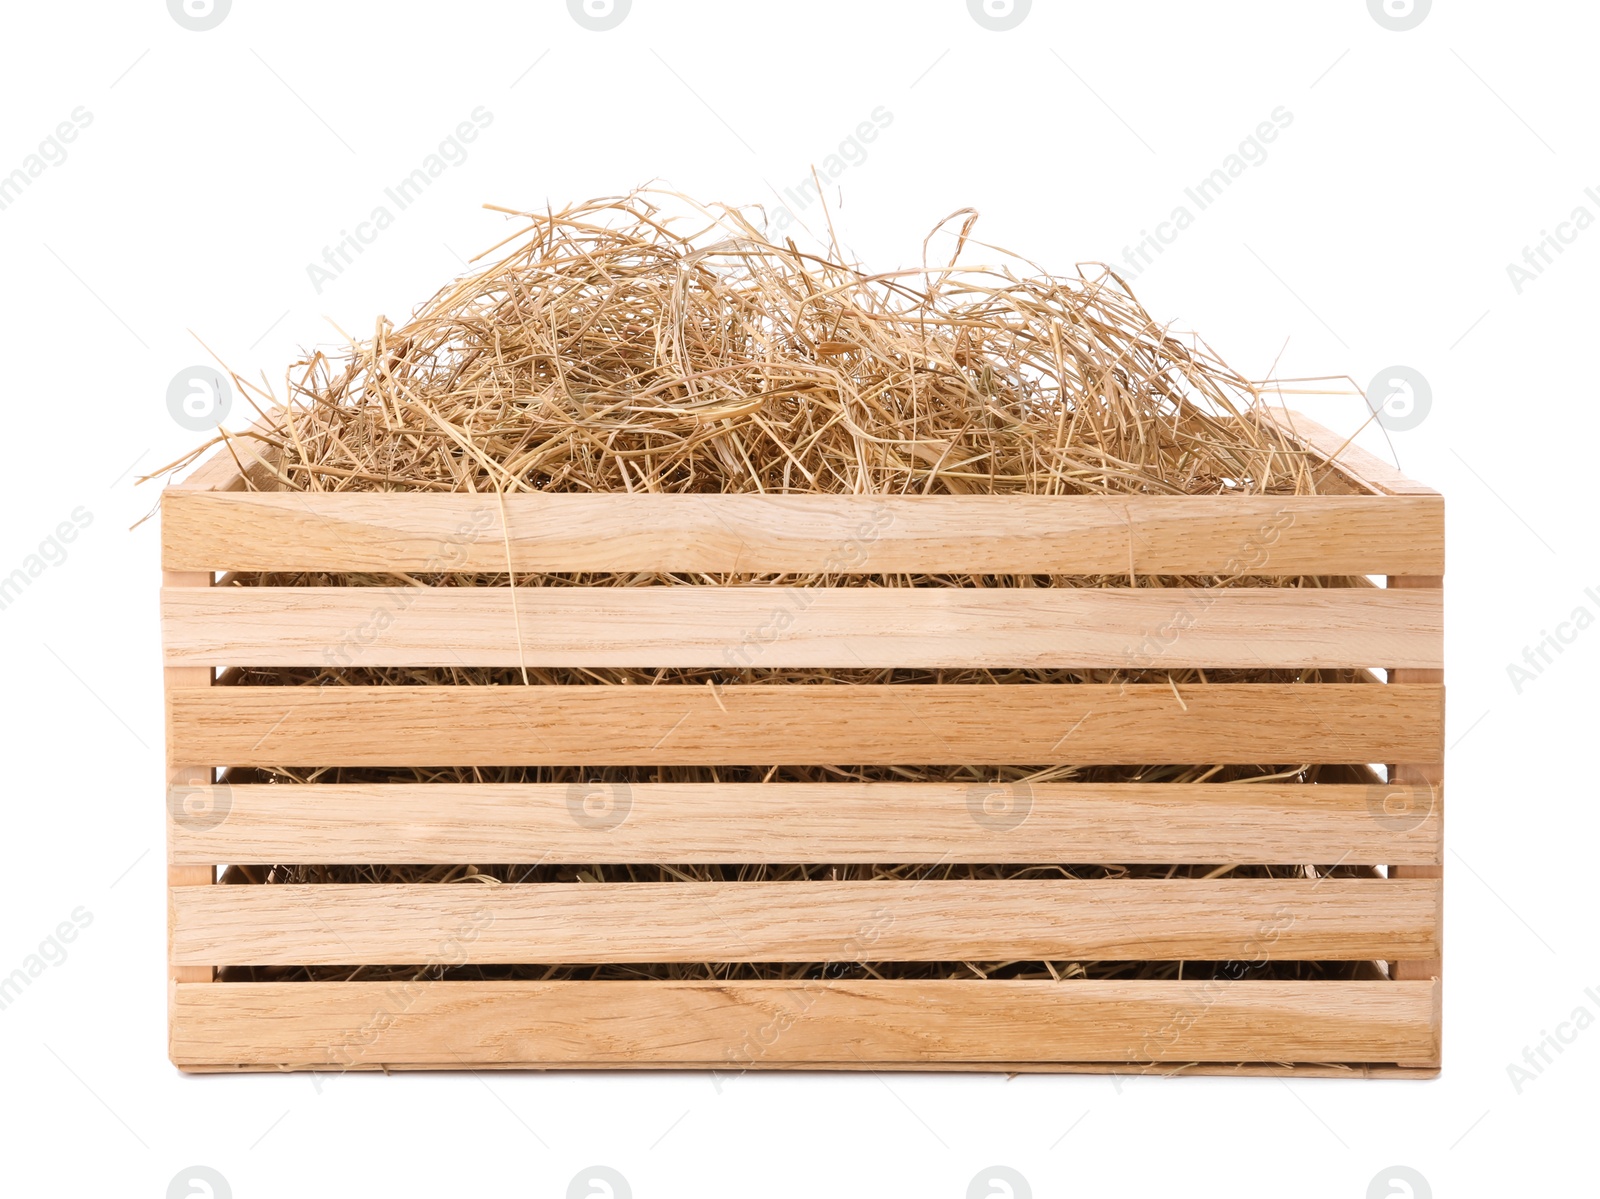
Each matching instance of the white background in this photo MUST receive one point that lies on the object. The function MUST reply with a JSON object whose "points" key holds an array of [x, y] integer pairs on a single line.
{"points": [[1378, 231]]}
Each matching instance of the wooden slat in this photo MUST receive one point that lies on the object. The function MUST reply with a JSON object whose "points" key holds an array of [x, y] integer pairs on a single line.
{"points": [[1426, 774], [804, 724], [883, 920], [1285, 1070], [1238, 628], [758, 1025], [1130, 823], [1365, 468], [1020, 534], [182, 774]]}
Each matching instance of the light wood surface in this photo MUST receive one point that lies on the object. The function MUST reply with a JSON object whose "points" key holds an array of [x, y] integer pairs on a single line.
{"points": [[731, 1027], [1388, 1027], [1242, 628], [1426, 774], [880, 920], [1362, 466], [1165, 1070], [1129, 823], [181, 774], [803, 724], [1012, 534]]}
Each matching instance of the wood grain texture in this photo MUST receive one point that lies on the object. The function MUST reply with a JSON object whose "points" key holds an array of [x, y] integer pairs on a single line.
{"points": [[1365, 468], [1425, 775], [1012, 534], [882, 920], [1129, 823], [182, 775], [731, 1027], [1148, 628], [1344, 1070], [803, 724]]}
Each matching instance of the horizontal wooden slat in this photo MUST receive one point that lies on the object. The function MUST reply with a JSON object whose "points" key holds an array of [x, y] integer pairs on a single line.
{"points": [[803, 724], [1349, 1071], [1285, 1070], [1365, 468], [1238, 628], [1128, 823], [756, 1025], [883, 920], [1013, 534]]}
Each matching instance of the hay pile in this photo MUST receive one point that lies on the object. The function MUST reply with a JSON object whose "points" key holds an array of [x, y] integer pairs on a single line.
{"points": [[648, 344], [614, 348]]}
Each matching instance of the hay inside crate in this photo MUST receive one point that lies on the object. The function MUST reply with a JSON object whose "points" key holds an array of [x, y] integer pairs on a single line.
{"points": [[788, 780]]}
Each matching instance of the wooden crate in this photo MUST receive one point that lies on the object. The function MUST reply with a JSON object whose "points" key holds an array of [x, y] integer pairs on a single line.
{"points": [[1372, 523]]}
